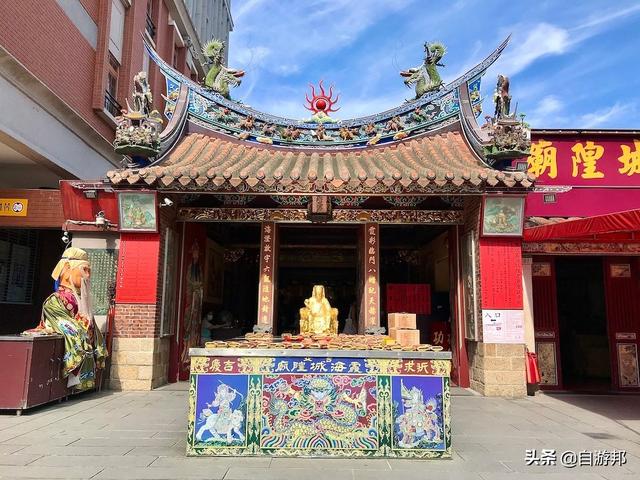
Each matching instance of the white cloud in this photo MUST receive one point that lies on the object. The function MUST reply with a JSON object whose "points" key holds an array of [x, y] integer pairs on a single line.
{"points": [[604, 117], [546, 113], [542, 40], [296, 32], [548, 105], [251, 56], [602, 18]]}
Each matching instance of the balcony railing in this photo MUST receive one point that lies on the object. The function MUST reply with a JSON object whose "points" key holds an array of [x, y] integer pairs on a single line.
{"points": [[151, 28], [111, 105]]}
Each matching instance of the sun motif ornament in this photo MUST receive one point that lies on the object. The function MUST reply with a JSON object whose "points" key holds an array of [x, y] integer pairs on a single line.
{"points": [[321, 104]]}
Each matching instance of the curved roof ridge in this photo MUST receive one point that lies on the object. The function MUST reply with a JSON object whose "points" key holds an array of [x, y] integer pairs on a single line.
{"points": [[423, 114]]}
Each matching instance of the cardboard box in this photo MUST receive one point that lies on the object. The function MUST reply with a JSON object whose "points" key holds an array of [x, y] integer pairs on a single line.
{"points": [[405, 336], [402, 320]]}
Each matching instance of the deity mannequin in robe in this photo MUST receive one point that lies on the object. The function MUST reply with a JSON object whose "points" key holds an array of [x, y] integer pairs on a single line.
{"points": [[68, 312], [317, 316]]}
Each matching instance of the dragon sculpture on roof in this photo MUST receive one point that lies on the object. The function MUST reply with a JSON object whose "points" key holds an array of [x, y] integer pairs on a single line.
{"points": [[425, 77], [219, 78]]}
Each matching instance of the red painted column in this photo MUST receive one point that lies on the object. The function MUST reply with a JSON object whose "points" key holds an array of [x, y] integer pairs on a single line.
{"points": [[500, 356], [266, 291], [460, 371]]}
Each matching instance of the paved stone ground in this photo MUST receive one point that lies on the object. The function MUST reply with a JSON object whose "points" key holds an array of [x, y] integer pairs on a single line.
{"points": [[111, 435]]}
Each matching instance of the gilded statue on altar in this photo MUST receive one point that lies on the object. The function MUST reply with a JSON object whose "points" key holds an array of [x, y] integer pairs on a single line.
{"points": [[317, 316]]}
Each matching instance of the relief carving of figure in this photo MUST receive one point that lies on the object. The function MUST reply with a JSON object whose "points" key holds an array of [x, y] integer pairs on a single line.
{"points": [[290, 133], [247, 124], [394, 125]]}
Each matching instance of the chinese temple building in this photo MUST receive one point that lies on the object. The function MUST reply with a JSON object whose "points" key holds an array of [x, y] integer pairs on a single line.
{"points": [[225, 217], [581, 254]]}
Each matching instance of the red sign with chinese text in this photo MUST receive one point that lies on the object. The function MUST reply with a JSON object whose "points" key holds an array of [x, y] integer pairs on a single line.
{"points": [[138, 268], [501, 273], [582, 169], [585, 161]]}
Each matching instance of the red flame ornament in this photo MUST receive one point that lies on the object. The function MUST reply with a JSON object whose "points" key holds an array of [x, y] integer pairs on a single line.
{"points": [[321, 103]]}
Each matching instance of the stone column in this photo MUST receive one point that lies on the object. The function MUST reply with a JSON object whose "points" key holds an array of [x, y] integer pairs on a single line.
{"points": [[266, 293], [139, 357], [497, 360]]}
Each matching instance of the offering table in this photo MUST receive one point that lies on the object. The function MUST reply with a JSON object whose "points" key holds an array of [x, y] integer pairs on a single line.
{"points": [[319, 402]]}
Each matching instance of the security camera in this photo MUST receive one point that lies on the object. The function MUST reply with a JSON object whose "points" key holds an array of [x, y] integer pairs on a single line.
{"points": [[65, 237], [166, 202]]}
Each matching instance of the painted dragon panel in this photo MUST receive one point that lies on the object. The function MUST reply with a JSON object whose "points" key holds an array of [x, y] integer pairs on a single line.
{"points": [[310, 411]]}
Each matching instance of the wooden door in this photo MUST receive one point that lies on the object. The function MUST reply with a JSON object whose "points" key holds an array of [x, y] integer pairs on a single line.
{"points": [[545, 321], [622, 298]]}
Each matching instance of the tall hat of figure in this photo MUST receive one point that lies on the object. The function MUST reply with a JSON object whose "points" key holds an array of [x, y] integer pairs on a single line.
{"points": [[72, 256]]}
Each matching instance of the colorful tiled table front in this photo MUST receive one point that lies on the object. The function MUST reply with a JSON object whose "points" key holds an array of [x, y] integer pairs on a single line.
{"points": [[319, 403]]}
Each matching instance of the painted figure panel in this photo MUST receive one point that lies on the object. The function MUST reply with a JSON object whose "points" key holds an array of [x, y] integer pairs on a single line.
{"points": [[319, 412], [221, 410], [418, 412]]}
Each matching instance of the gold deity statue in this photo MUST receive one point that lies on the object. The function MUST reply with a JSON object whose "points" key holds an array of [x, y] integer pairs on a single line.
{"points": [[317, 316]]}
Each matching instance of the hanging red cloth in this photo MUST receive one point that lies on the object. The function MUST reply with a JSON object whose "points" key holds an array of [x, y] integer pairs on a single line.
{"points": [[533, 374], [593, 228]]}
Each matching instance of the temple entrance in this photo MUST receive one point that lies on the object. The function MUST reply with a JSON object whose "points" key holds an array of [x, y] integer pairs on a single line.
{"points": [[230, 300], [584, 344], [310, 255], [414, 278]]}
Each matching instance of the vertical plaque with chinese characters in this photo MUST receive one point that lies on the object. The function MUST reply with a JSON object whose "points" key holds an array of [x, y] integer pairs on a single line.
{"points": [[267, 274], [371, 275]]}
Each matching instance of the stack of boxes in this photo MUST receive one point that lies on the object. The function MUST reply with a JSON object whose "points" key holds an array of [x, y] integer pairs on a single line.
{"points": [[402, 328]]}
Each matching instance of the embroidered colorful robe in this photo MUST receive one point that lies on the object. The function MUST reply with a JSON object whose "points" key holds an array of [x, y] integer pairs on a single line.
{"points": [[85, 349]]}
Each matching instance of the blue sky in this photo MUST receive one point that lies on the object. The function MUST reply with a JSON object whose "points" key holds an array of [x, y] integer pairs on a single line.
{"points": [[571, 64]]}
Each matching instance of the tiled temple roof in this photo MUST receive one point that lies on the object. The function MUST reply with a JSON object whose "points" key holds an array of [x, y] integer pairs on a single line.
{"points": [[434, 163]]}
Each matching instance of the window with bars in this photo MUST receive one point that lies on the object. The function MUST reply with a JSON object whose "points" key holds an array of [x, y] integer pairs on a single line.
{"points": [[18, 259], [110, 102]]}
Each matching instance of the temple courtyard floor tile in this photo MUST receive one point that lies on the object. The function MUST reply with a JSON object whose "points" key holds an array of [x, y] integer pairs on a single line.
{"points": [[141, 435]]}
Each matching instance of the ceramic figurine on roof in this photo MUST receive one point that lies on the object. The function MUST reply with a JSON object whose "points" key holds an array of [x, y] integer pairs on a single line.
{"points": [[510, 137], [219, 78], [501, 97], [138, 128], [426, 77], [321, 104]]}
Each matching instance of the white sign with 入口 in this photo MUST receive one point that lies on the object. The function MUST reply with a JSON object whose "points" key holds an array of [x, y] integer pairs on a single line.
{"points": [[502, 326]]}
